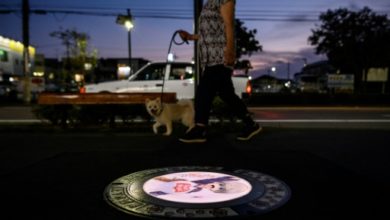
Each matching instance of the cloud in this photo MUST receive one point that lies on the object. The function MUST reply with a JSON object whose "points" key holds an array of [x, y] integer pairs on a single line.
{"points": [[353, 6], [296, 22], [286, 63], [290, 35]]}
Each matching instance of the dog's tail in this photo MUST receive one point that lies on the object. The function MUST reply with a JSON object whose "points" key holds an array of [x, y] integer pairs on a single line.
{"points": [[189, 118], [187, 102]]}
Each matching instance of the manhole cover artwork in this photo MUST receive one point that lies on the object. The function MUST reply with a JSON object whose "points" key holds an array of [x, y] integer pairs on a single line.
{"points": [[196, 192], [197, 187]]}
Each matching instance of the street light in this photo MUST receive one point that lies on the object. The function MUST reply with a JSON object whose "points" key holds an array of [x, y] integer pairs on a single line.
{"points": [[288, 67], [127, 21], [304, 62]]}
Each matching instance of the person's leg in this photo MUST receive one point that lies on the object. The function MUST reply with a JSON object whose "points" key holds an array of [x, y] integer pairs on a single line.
{"points": [[205, 94], [236, 104], [227, 94]]}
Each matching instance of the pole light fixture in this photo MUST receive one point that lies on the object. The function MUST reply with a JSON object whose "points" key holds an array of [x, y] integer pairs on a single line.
{"points": [[129, 25], [127, 21]]}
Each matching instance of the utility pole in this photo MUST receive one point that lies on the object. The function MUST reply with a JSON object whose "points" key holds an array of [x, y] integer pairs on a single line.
{"points": [[26, 56], [304, 62], [129, 39], [288, 70], [198, 4]]}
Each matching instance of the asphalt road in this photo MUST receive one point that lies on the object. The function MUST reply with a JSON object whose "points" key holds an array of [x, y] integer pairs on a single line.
{"points": [[52, 173]]}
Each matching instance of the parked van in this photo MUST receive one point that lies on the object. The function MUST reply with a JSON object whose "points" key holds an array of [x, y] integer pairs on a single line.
{"points": [[179, 79]]}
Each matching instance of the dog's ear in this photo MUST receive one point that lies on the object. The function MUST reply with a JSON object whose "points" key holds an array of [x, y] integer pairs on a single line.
{"points": [[147, 100], [158, 100]]}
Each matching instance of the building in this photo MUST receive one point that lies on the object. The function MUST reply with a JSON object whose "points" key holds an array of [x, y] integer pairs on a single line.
{"points": [[271, 84], [12, 68], [11, 57], [116, 68]]}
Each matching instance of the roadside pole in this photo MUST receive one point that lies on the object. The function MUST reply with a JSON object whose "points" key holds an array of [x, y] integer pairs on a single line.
{"points": [[26, 56]]}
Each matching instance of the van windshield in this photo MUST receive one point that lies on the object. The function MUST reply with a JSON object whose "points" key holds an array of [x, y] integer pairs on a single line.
{"points": [[151, 72]]}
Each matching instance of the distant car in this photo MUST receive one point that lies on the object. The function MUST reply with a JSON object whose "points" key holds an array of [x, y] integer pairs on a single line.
{"points": [[61, 88], [7, 90], [179, 79]]}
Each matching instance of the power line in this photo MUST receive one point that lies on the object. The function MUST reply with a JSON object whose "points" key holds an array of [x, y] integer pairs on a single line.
{"points": [[167, 16], [180, 14]]}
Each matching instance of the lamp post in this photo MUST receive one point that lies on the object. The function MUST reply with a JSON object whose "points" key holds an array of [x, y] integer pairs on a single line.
{"points": [[273, 69], [288, 67], [304, 62], [127, 21], [129, 25], [288, 70]]}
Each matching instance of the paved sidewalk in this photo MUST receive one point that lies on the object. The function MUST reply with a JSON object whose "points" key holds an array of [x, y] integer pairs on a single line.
{"points": [[61, 174], [293, 117]]}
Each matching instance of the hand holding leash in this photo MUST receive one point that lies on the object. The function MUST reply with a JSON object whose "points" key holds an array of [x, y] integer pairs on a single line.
{"points": [[185, 36]]}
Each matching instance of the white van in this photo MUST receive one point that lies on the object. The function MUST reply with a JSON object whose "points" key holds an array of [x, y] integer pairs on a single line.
{"points": [[179, 79]]}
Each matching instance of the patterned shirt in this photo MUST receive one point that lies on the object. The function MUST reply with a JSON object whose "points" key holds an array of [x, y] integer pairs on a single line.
{"points": [[212, 36]]}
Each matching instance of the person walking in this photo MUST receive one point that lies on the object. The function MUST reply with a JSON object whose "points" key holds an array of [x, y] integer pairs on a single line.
{"points": [[216, 42]]}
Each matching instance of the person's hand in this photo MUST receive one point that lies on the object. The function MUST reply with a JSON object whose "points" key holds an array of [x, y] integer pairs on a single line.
{"points": [[229, 57], [184, 35]]}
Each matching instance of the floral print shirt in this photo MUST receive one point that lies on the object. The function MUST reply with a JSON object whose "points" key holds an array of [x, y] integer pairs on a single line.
{"points": [[212, 36]]}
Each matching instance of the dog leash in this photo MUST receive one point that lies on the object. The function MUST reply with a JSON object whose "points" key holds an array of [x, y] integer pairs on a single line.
{"points": [[169, 51]]}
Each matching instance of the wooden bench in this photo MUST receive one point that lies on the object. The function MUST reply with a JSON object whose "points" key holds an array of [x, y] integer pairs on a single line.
{"points": [[101, 98], [59, 108]]}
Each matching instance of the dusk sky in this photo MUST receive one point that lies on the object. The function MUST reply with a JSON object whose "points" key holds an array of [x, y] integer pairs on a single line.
{"points": [[283, 39]]}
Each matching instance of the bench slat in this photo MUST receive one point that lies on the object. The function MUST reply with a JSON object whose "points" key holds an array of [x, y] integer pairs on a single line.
{"points": [[101, 98]]}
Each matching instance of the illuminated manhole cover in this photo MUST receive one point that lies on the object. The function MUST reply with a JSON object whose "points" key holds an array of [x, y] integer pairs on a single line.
{"points": [[196, 192]]}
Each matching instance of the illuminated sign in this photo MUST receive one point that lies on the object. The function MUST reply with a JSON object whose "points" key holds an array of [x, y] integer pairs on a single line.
{"points": [[197, 187]]}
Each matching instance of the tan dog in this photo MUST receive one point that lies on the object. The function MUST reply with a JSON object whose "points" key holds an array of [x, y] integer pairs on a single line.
{"points": [[167, 113]]}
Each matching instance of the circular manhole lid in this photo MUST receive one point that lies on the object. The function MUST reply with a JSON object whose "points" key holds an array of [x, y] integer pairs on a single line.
{"points": [[196, 192]]}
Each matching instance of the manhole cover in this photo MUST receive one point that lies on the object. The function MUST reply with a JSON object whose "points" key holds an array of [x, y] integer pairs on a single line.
{"points": [[196, 192]]}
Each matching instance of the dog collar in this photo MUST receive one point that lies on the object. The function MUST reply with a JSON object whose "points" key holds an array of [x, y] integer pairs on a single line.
{"points": [[159, 112]]}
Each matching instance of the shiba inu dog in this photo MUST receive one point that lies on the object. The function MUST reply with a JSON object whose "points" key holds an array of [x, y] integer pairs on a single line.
{"points": [[167, 113]]}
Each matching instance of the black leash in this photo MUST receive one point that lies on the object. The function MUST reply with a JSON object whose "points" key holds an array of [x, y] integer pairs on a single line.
{"points": [[169, 51]]}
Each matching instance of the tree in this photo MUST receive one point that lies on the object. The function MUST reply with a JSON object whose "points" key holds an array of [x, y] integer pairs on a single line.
{"points": [[246, 45], [246, 41], [353, 41], [77, 54]]}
